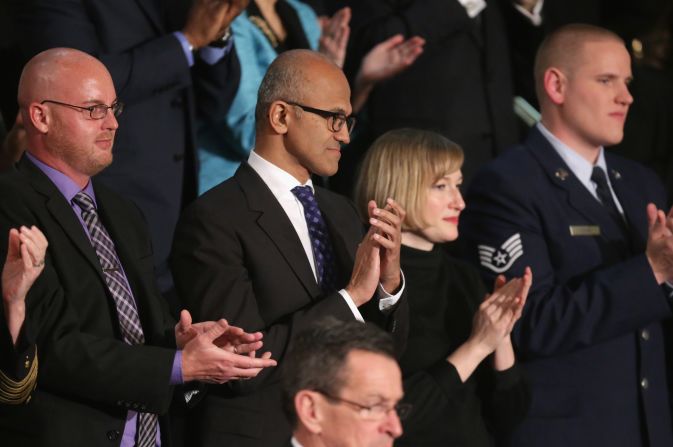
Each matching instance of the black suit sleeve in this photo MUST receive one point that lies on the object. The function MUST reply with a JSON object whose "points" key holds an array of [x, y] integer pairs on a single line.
{"points": [[74, 360], [18, 365], [377, 20], [142, 60], [214, 279]]}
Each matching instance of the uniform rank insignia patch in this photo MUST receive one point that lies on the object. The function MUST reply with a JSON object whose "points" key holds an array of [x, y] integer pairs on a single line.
{"points": [[499, 259]]}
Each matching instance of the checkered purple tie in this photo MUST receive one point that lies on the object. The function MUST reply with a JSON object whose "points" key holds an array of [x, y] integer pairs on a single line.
{"points": [[320, 240], [127, 312]]}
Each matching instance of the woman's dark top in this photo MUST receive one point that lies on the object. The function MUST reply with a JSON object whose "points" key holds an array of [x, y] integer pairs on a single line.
{"points": [[444, 294]]}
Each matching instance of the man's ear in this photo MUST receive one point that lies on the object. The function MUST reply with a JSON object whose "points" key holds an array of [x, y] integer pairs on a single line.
{"points": [[39, 117], [278, 117], [555, 85], [310, 412]]}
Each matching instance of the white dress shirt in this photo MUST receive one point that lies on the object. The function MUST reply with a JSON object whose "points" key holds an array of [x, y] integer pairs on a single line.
{"points": [[474, 7], [281, 183], [535, 16]]}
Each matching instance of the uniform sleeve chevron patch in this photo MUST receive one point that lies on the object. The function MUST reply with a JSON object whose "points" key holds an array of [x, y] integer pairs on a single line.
{"points": [[500, 259]]}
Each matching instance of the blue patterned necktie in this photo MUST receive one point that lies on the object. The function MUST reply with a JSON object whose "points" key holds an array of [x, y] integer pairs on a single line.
{"points": [[320, 240], [127, 312]]}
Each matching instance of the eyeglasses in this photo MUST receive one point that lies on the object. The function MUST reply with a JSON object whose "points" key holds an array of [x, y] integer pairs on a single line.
{"points": [[335, 120], [96, 112], [374, 412]]}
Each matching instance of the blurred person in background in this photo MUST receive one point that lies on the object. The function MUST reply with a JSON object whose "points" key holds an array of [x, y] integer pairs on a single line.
{"points": [[170, 61], [262, 32]]}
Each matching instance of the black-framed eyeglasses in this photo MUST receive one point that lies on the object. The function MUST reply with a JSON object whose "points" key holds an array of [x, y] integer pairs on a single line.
{"points": [[372, 412], [96, 112], [335, 120]]}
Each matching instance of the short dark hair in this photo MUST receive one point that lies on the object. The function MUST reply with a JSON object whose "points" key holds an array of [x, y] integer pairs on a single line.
{"points": [[317, 357]]}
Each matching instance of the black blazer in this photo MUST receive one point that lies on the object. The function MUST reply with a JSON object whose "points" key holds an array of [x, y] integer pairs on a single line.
{"points": [[88, 377], [460, 86], [154, 161], [237, 256], [445, 294]]}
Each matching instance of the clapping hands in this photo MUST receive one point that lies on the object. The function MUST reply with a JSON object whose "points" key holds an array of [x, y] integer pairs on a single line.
{"points": [[216, 352], [26, 251]]}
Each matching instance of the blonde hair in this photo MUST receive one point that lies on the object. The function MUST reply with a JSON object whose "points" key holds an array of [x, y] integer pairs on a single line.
{"points": [[403, 164]]}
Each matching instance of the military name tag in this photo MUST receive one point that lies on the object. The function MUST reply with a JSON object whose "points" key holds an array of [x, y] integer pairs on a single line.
{"points": [[585, 230]]}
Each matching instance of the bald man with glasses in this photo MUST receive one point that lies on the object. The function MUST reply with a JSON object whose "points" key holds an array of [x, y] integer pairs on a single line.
{"points": [[110, 355], [273, 252]]}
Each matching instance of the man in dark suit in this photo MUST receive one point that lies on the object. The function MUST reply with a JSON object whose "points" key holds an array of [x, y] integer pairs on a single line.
{"points": [[591, 336], [342, 386], [109, 353], [164, 66], [460, 86], [261, 249]]}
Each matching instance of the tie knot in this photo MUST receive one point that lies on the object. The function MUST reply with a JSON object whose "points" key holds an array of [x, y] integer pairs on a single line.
{"points": [[85, 202], [598, 176], [305, 195]]}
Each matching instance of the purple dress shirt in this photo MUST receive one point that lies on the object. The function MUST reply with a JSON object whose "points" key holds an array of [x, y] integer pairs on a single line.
{"points": [[210, 55]]}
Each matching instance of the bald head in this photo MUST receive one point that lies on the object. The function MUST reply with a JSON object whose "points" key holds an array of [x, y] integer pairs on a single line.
{"points": [[54, 70], [564, 50], [289, 78], [56, 91]]}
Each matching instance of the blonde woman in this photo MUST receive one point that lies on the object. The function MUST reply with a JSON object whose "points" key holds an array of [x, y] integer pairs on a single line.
{"points": [[459, 368]]}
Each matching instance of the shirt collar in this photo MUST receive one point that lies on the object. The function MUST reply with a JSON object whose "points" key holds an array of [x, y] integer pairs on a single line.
{"points": [[63, 183], [279, 181], [577, 164], [295, 443]]}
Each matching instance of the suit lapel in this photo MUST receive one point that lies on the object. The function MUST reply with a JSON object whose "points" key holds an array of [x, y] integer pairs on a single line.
{"points": [[633, 205], [477, 27], [62, 212], [274, 222], [151, 10], [577, 196]]}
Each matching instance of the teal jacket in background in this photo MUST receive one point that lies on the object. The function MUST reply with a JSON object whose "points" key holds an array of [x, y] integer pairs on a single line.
{"points": [[223, 145]]}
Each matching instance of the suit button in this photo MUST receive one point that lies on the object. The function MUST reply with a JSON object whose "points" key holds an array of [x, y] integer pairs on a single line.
{"points": [[113, 435], [644, 383], [645, 334], [177, 102], [178, 157], [135, 405], [143, 408]]}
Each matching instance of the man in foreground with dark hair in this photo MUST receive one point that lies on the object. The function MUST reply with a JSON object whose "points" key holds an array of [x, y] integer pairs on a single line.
{"points": [[342, 386]]}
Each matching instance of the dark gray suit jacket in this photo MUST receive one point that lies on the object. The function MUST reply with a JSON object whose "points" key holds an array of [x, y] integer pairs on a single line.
{"points": [[237, 256]]}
